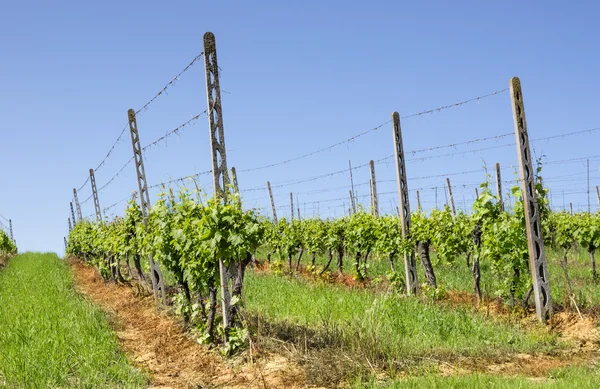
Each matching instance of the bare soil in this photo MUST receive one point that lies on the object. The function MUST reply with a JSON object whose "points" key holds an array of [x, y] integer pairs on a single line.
{"points": [[157, 343]]}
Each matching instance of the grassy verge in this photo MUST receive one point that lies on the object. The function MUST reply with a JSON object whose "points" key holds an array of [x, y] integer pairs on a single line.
{"points": [[565, 378], [385, 328], [458, 277], [50, 336]]}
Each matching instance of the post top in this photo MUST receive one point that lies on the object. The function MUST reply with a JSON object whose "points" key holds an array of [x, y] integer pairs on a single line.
{"points": [[515, 81], [91, 171], [395, 116]]}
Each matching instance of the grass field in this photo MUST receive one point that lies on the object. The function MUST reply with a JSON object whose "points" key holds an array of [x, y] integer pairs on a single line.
{"points": [[458, 276], [50, 337], [410, 339]]}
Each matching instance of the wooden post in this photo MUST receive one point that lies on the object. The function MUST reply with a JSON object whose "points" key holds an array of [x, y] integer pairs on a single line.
{"points": [[451, 197], [418, 202], [410, 264], [291, 206], [272, 203], [158, 285], [476, 193], [535, 240], [77, 206], [499, 186], [375, 201]]}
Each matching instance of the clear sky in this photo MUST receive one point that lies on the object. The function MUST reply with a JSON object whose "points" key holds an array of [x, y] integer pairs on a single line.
{"points": [[298, 76]]}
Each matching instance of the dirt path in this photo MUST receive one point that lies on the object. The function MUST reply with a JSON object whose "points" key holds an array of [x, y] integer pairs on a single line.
{"points": [[156, 343]]}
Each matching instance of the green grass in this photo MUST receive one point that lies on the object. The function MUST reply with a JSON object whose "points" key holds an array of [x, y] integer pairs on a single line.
{"points": [[458, 276], [565, 378], [391, 328], [50, 337]]}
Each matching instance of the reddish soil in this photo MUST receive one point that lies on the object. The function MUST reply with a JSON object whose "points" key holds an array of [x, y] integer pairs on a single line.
{"points": [[156, 343]]}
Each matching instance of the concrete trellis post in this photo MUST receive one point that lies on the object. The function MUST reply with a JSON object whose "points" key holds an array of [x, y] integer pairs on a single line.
{"points": [[375, 200], [65, 240], [73, 214], [419, 202], [499, 186], [537, 256], [410, 264], [218, 151], [272, 203], [352, 193], [70, 225], [291, 206], [158, 285], [11, 230], [598, 195], [236, 187], [77, 206], [95, 196], [451, 197]]}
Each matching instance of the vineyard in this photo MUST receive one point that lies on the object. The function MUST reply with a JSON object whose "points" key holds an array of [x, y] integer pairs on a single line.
{"points": [[378, 294], [299, 195]]}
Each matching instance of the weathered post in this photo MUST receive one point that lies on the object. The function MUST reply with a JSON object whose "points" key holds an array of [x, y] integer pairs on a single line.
{"points": [[537, 256], [353, 207], [291, 206], [588, 184], [65, 240], [571, 208], [476, 193], [410, 264], [451, 197], [375, 201], [11, 230], [70, 226], [499, 186], [598, 195], [95, 196], [418, 202], [158, 285], [73, 214], [353, 193], [218, 150], [77, 206], [236, 188], [272, 203]]}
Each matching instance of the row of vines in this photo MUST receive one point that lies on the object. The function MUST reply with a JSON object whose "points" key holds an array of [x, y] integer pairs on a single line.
{"points": [[189, 233]]}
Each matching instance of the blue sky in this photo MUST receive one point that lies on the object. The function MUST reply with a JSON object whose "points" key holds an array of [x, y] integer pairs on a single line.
{"points": [[299, 76]]}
